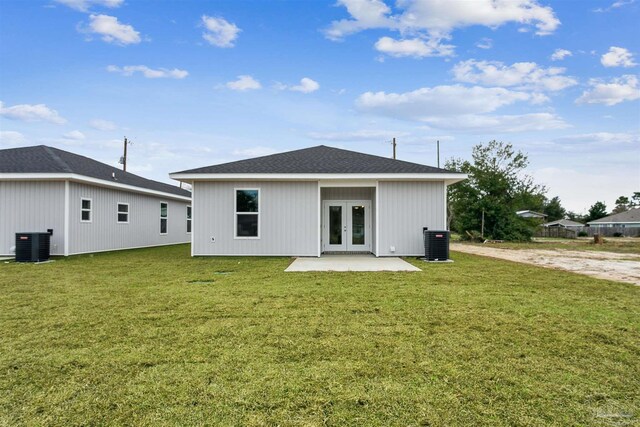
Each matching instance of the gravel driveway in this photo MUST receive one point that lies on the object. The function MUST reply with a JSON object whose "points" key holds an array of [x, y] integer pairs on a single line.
{"points": [[603, 265]]}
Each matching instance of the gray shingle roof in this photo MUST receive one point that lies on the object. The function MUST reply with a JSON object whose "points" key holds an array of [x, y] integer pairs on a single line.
{"points": [[44, 159], [564, 223], [320, 160], [632, 215]]}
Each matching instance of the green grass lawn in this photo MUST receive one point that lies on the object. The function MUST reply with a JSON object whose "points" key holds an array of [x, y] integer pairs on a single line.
{"points": [[154, 337], [611, 244]]}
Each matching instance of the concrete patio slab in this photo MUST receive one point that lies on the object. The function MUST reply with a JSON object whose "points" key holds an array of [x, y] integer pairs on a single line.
{"points": [[350, 263]]}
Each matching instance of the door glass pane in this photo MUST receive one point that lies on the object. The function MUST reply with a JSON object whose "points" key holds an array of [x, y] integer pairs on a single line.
{"points": [[335, 225], [357, 225]]}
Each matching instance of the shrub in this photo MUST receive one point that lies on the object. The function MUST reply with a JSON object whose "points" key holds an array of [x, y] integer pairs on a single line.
{"points": [[583, 234], [617, 234]]}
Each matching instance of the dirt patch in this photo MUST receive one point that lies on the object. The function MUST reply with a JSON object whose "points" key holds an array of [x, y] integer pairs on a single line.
{"points": [[603, 265]]}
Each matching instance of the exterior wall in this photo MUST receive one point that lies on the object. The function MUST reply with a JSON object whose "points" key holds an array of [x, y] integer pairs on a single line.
{"points": [[288, 219], [31, 206], [406, 207], [104, 233]]}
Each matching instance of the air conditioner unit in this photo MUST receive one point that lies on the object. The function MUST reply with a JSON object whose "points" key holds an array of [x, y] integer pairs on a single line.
{"points": [[33, 247], [436, 245]]}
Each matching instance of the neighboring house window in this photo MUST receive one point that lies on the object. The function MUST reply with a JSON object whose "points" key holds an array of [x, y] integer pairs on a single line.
{"points": [[164, 213], [85, 210], [123, 213], [188, 219], [247, 212]]}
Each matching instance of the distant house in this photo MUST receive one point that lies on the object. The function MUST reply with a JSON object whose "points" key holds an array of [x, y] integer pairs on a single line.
{"points": [[530, 214], [88, 205], [628, 219], [316, 200], [565, 223]]}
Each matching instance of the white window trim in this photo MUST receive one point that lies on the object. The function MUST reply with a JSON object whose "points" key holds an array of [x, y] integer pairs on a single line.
{"points": [[164, 217], [118, 213], [90, 210], [189, 220], [235, 214]]}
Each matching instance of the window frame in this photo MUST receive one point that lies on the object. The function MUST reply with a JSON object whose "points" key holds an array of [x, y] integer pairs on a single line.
{"points": [[83, 210], [189, 213], [236, 213], [166, 218], [118, 213]]}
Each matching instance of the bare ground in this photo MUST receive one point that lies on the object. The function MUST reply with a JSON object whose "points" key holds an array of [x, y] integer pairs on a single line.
{"points": [[603, 265]]}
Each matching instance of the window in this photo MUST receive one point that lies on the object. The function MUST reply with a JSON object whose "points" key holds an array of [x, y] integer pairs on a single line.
{"points": [[85, 210], [188, 219], [164, 212], [247, 212], [123, 213]]}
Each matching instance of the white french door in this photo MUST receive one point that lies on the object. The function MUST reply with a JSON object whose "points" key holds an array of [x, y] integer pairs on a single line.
{"points": [[346, 225]]}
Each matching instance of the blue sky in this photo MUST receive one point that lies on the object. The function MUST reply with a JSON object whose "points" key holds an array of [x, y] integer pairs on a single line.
{"points": [[194, 83]]}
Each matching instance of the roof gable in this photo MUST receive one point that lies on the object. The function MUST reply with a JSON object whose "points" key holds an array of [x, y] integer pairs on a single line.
{"points": [[318, 160], [44, 159]]}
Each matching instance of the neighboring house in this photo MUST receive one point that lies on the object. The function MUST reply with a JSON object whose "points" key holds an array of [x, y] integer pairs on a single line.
{"points": [[565, 223], [315, 200], [90, 206], [627, 219], [530, 214]]}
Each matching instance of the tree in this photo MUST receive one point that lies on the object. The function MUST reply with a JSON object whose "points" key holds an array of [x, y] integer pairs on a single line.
{"points": [[576, 217], [497, 187], [635, 199], [553, 209], [596, 211], [622, 205]]}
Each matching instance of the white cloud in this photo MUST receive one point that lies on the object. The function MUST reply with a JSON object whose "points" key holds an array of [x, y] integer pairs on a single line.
{"points": [[244, 83], [357, 135], [103, 125], [306, 85], [31, 113], [113, 31], [434, 20], [219, 32], [615, 5], [74, 135], [10, 137], [520, 74], [560, 54], [498, 123], [618, 90], [600, 138], [254, 152], [84, 5], [416, 47], [427, 102], [485, 43], [618, 57], [150, 73]]}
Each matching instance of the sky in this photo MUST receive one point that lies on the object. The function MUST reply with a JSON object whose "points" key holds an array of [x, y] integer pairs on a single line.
{"points": [[195, 83]]}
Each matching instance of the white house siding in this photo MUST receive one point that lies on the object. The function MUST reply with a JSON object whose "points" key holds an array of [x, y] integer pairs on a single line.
{"points": [[104, 233], [31, 206], [406, 207], [288, 219]]}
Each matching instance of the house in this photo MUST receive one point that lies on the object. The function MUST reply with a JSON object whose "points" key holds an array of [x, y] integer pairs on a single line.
{"points": [[627, 219], [316, 200], [530, 214], [565, 223], [88, 205]]}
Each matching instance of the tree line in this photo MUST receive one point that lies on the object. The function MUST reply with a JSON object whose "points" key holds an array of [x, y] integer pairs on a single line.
{"points": [[498, 187]]}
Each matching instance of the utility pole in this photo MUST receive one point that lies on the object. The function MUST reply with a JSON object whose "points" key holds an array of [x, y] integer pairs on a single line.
{"points": [[482, 228], [438, 141], [123, 159], [394, 147]]}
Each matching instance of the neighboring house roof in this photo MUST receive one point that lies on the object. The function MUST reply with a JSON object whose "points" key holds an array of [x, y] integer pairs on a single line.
{"points": [[42, 159], [563, 223], [318, 160], [632, 215], [529, 214]]}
